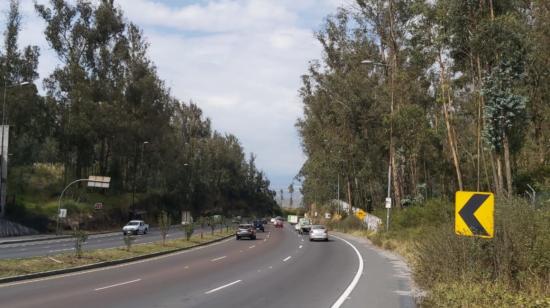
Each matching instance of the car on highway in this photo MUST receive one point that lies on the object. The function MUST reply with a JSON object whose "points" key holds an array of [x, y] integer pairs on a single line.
{"points": [[318, 232], [135, 227], [278, 223], [259, 225], [245, 230]]}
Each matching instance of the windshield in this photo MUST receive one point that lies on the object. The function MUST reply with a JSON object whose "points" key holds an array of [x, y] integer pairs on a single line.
{"points": [[133, 223], [317, 227]]}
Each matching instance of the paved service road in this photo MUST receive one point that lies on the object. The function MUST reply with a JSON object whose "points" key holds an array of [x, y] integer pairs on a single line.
{"points": [[57, 246], [279, 269]]}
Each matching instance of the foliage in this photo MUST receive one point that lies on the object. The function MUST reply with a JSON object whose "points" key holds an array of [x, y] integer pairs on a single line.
{"points": [[452, 95], [129, 240], [107, 112], [164, 222], [188, 229], [80, 237]]}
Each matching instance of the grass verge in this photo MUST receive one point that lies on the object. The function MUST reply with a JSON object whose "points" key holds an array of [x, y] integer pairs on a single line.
{"points": [[17, 267]]}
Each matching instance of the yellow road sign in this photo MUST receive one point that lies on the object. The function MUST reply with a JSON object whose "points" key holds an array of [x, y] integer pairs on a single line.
{"points": [[474, 214], [360, 214]]}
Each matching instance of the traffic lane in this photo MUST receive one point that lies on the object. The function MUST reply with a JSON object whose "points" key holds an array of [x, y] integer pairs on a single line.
{"points": [[315, 275], [149, 277], [34, 249], [233, 272], [386, 281]]}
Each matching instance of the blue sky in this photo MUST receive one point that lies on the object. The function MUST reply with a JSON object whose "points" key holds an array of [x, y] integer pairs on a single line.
{"points": [[239, 60]]}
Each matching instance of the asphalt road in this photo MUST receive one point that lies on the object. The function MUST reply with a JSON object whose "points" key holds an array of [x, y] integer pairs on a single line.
{"points": [[57, 246], [279, 269]]}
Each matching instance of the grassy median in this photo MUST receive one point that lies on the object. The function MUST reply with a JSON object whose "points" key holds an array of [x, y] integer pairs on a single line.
{"points": [[16, 267]]}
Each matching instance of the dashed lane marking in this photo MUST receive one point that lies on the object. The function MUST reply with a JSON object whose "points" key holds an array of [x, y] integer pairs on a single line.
{"points": [[252, 246], [222, 287], [301, 246], [287, 258], [217, 259], [117, 285]]}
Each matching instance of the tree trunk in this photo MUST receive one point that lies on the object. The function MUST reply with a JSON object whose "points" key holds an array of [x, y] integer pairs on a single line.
{"points": [[507, 166], [500, 188], [349, 196], [450, 136]]}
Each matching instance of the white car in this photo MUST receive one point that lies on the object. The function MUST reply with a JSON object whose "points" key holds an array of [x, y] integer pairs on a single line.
{"points": [[135, 227], [318, 232]]}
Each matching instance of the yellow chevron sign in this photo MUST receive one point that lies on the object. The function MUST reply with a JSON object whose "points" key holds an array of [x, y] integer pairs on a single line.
{"points": [[474, 214], [360, 214]]}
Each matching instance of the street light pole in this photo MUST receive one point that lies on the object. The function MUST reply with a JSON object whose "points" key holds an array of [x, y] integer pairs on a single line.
{"points": [[391, 152], [3, 161]]}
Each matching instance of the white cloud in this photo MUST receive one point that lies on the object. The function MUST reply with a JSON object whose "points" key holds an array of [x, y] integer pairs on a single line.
{"points": [[240, 61]]}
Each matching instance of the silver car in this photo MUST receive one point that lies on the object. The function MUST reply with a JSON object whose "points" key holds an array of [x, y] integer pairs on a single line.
{"points": [[318, 232]]}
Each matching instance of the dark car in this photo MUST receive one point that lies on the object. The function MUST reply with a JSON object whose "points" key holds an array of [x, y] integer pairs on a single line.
{"points": [[246, 230], [258, 224]]}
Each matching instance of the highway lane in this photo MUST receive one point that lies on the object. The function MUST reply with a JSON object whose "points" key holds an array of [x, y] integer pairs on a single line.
{"points": [[279, 269], [57, 246]]}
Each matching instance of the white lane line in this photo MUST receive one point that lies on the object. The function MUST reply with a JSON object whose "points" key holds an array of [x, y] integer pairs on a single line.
{"points": [[301, 246], [302, 240], [265, 239], [287, 258], [355, 280], [222, 287], [58, 250], [117, 285], [217, 259], [252, 246]]}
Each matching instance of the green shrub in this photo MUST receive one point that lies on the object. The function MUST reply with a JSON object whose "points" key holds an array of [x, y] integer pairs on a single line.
{"points": [[516, 258]]}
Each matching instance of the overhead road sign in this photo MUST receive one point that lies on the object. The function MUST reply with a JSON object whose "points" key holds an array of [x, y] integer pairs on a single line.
{"points": [[99, 181], [474, 214]]}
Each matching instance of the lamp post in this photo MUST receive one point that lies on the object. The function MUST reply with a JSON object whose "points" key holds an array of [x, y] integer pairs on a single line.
{"points": [[3, 162], [391, 151]]}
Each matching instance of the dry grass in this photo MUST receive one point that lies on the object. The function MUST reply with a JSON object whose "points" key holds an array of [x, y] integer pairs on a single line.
{"points": [[16, 267]]}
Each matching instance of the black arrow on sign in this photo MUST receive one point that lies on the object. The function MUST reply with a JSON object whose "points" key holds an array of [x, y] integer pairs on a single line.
{"points": [[467, 214]]}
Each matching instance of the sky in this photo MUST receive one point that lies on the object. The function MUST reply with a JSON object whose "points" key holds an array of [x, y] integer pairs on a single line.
{"points": [[239, 60]]}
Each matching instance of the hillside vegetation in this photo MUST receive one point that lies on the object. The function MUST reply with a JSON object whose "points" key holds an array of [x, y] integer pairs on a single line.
{"points": [[440, 96], [106, 112]]}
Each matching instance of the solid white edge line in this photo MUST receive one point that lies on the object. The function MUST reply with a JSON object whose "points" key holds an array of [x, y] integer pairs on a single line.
{"points": [[117, 285], [287, 258], [355, 280], [222, 287], [217, 259]]}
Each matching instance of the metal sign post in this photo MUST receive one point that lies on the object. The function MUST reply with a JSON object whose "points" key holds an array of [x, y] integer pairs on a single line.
{"points": [[93, 181]]}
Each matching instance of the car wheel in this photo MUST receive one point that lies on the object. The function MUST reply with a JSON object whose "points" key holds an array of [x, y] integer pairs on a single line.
{"points": [[326, 240], [145, 231], [311, 240], [136, 232], [238, 238], [254, 237]]}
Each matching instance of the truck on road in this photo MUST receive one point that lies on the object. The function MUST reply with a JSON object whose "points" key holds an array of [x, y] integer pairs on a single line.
{"points": [[293, 219]]}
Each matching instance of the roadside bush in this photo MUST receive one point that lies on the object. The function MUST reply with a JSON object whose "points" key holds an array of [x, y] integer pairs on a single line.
{"points": [[515, 259], [128, 241], [80, 238], [349, 223]]}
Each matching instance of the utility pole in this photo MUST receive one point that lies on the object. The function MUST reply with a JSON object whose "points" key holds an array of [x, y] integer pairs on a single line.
{"points": [[4, 148]]}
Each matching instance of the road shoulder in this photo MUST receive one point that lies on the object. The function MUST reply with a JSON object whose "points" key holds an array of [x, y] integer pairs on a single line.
{"points": [[386, 280]]}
